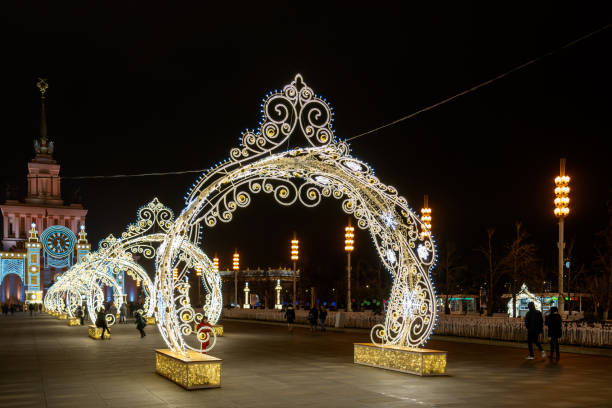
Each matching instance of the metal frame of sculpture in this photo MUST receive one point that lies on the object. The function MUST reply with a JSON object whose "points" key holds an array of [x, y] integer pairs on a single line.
{"points": [[323, 168]]}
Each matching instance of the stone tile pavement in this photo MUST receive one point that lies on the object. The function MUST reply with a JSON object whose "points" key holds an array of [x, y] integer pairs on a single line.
{"points": [[45, 363]]}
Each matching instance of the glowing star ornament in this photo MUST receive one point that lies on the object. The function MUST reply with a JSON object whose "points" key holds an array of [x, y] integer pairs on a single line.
{"points": [[423, 252], [319, 166], [389, 220]]}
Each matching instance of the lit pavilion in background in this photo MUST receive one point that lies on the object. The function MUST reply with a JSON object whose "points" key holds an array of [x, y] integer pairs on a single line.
{"points": [[28, 267]]}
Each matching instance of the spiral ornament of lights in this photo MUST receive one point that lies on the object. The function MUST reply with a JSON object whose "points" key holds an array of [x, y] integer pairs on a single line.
{"points": [[143, 238], [322, 168]]}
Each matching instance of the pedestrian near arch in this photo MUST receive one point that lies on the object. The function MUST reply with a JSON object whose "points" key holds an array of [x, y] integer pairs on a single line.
{"points": [[553, 322], [535, 326]]}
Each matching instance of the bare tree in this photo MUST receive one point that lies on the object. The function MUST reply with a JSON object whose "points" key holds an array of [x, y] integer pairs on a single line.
{"points": [[450, 266], [603, 263], [520, 263], [493, 273]]}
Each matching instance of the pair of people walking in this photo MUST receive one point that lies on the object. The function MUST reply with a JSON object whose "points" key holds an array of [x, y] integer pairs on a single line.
{"points": [[317, 315], [535, 326]]}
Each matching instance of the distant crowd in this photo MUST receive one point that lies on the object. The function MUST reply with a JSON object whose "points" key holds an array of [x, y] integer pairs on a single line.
{"points": [[11, 308]]}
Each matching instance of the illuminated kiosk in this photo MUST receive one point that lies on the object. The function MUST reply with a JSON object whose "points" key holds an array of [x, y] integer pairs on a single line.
{"points": [[321, 168], [523, 298]]}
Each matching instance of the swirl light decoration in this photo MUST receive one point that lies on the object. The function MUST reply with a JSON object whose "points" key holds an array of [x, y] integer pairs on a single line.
{"points": [[98, 269], [321, 167]]}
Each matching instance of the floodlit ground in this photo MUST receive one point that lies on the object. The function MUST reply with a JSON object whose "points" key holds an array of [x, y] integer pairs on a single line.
{"points": [[45, 363]]}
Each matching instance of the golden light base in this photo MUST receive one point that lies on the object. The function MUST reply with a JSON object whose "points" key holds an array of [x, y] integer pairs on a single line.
{"points": [[96, 332], [196, 371], [418, 361], [150, 320], [63, 316], [74, 321], [218, 328]]}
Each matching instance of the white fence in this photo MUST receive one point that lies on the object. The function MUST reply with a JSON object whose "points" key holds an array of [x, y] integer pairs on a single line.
{"points": [[504, 328], [494, 328], [360, 320]]}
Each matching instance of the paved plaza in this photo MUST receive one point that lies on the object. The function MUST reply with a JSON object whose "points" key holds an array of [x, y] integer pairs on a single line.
{"points": [[45, 363]]}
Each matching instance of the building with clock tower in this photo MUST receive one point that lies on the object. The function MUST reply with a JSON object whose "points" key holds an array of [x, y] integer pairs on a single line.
{"points": [[30, 262]]}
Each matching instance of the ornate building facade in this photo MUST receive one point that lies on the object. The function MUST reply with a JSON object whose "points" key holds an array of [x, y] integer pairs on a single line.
{"points": [[29, 263]]}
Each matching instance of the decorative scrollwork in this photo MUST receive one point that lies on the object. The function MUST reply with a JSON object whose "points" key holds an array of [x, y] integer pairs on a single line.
{"points": [[324, 168]]}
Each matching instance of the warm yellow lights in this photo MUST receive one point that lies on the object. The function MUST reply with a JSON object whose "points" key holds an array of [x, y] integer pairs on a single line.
{"points": [[562, 200], [236, 261], [349, 239], [426, 218], [193, 371], [198, 270], [216, 264], [137, 282], [175, 273], [295, 245], [96, 332], [411, 360]]}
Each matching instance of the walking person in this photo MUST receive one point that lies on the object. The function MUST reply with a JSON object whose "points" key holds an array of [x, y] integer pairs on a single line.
{"points": [[322, 317], [535, 325], [141, 323], [102, 323], [553, 322], [123, 313], [313, 317], [80, 314], [290, 316]]}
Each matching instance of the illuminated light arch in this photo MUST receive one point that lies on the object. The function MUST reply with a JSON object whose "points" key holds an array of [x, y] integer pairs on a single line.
{"points": [[323, 168], [98, 269]]}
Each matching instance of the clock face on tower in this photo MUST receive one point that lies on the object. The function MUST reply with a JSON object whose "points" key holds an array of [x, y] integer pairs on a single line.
{"points": [[58, 241]]}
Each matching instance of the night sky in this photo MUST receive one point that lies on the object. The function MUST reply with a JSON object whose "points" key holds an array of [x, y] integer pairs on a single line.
{"points": [[138, 88]]}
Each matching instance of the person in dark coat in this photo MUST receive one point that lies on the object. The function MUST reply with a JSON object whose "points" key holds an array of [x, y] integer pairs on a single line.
{"points": [[535, 325], [322, 317], [313, 317], [553, 322], [290, 316], [80, 314], [102, 323], [141, 323]]}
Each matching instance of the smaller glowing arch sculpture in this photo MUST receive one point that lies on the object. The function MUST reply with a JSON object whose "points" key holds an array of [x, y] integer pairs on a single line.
{"points": [[98, 270], [321, 167]]}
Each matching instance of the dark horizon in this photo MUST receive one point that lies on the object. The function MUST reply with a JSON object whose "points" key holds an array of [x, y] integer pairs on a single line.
{"points": [[135, 91]]}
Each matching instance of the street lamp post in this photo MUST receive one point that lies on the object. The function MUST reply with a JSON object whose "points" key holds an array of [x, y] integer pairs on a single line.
{"points": [[235, 267], [426, 217], [561, 211], [295, 249], [216, 264], [349, 241], [198, 270]]}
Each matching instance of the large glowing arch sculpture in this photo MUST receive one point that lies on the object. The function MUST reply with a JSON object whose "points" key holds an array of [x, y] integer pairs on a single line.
{"points": [[322, 168]]}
